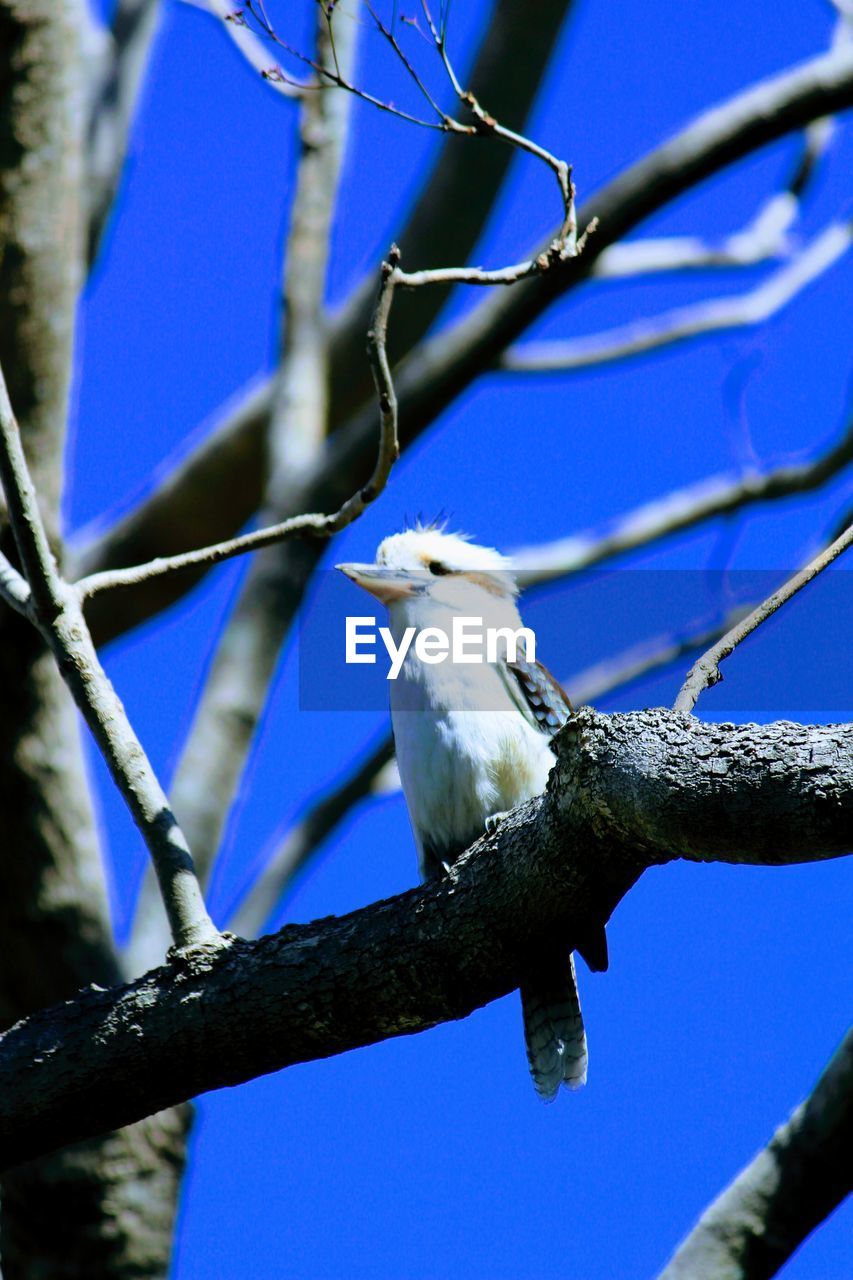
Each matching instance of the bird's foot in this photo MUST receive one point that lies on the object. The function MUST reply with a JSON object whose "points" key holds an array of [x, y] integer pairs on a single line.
{"points": [[494, 820]]}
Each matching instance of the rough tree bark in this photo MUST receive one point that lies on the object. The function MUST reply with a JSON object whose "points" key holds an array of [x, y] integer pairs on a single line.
{"points": [[53, 914], [628, 792], [790, 1187]]}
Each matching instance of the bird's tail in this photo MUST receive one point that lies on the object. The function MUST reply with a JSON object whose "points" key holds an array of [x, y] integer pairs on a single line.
{"points": [[553, 1027]]}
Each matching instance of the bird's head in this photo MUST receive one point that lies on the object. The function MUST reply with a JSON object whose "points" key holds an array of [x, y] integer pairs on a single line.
{"points": [[426, 563]]}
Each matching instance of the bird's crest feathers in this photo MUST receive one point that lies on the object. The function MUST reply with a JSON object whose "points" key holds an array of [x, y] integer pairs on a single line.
{"points": [[429, 547]]}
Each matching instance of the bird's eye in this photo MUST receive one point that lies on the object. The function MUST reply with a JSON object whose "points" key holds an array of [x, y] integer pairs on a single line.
{"points": [[436, 567]]}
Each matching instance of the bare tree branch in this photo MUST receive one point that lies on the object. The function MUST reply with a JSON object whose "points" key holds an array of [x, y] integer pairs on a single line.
{"points": [[443, 366], [458, 192], [315, 524], [255, 51], [122, 72], [757, 1223], [55, 610], [706, 672], [223, 471], [716, 315], [245, 660], [447, 219], [627, 792], [111, 1202], [219, 739], [677, 511]]}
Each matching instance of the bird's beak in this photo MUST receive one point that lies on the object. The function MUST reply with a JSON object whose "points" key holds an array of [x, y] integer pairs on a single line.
{"points": [[386, 585]]}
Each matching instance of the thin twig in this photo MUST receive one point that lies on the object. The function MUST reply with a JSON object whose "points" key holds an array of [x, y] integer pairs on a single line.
{"points": [[406, 62], [484, 125], [641, 660], [706, 672], [488, 126], [55, 609], [313, 524], [328, 75], [716, 315], [250, 47], [316, 524]]}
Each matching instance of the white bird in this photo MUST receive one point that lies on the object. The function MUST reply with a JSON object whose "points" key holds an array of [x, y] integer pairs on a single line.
{"points": [[473, 741]]}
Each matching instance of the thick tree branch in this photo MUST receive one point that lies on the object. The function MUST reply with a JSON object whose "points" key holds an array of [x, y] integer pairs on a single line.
{"points": [[110, 1204], [803, 1173], [372, 775], [627, 792], [706, 671]]}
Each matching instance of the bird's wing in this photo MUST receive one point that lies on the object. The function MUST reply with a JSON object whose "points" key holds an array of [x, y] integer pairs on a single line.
{"points": [[537, 695], [545, 704]]}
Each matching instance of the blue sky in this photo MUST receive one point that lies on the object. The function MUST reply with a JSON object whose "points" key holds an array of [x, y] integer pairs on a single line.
{"points": [[430, 1156]]}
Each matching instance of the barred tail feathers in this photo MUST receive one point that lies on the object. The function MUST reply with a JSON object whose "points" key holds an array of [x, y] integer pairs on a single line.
{"points": [[553, 1029]]}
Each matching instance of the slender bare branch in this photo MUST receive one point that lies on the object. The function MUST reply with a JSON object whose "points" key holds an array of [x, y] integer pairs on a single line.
{"points": [[314, 524], [185, 509], [444, 365], [256, 53], [195, 499], [627, 792], [237, 684], [765, 236], [489, 127], [706, 672], [57, 612], [716, 315], [677, 511], [641, 660], [792, 1185], [249, 45], [458, 193]]}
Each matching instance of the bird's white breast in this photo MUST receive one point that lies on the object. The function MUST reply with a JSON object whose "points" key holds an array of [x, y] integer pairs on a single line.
{"points": [[458, 764]]}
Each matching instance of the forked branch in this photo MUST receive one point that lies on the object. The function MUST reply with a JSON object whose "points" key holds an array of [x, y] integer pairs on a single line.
{"points": [[313, 524], [54, 608]]}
